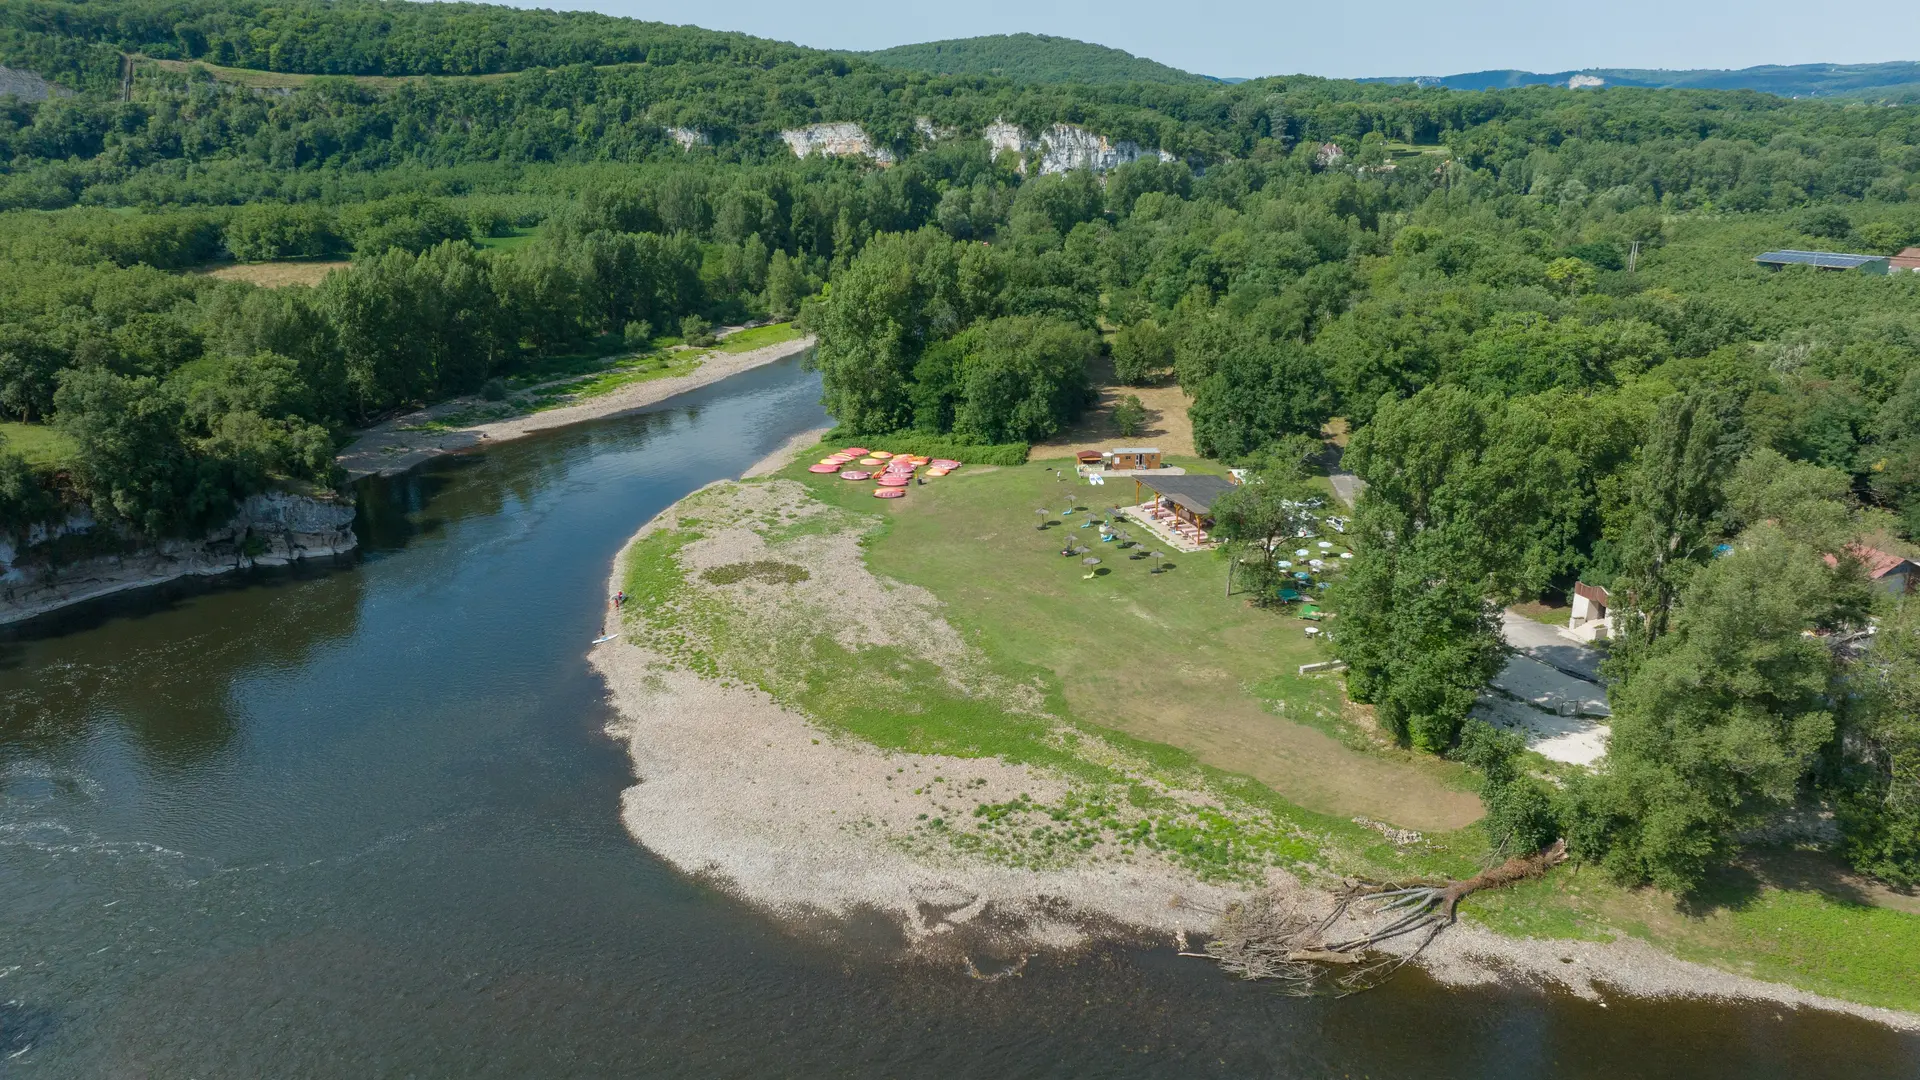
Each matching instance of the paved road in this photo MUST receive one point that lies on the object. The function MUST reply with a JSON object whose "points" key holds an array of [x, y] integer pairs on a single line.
{"points": [[1547, 645], [1346, 485]]}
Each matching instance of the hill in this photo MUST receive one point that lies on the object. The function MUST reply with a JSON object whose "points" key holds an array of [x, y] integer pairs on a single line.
{"points": [[1896, 79], [1032, 58]]}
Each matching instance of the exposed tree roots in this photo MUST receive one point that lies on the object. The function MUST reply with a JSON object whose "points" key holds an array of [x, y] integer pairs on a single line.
{"points": [[1346, 949]]}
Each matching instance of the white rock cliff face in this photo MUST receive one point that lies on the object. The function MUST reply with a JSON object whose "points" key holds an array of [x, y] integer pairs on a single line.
{"points": [[29, 87], [688, 138], [1065, 147], [834, 140], [268, 530]]}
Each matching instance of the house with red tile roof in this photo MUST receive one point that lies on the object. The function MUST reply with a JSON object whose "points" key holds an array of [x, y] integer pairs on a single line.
{"points": [[1896, 574]]}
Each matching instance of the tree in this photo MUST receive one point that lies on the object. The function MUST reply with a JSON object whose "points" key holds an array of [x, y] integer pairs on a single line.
{"points": [[1879, 789], [1129, 416], [131, 461], [24, 499], [1669, 523], [1258, 392], [1142, 354], [1259, 518], [1723, 715], [1434, 536], [1573, 276], [1020, 378]]}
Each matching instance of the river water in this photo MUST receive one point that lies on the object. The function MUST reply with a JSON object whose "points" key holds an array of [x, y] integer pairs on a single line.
{"points": [[360, 820]]}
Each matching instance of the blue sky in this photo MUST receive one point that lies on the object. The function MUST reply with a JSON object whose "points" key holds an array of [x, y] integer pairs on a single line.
{"points": [[1370, 37]]}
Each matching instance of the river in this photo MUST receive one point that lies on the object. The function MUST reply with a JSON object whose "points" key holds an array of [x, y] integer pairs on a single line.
{"points": [[361, 820]]}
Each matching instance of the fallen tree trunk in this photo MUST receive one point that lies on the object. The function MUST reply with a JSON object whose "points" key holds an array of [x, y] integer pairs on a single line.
{"points": [[1345, 950]]}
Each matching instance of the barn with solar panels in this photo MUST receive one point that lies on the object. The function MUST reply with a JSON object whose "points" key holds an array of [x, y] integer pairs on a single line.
{"points": [[1823, 260]]}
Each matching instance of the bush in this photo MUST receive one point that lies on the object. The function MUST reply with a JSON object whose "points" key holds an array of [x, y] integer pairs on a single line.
{"points": [[934, 446], [1130, 416], [695, 330], [494, 389], [637, 334]]}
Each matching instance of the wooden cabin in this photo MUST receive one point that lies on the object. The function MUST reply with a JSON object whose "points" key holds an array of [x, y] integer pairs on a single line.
{"points": [[1133, 457]]}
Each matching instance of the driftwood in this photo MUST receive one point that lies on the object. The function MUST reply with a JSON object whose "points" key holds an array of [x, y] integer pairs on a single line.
{"points": [[1343, 951]]}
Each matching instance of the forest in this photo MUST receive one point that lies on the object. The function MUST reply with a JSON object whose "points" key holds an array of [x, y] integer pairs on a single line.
{"points": [[1534, 311]]}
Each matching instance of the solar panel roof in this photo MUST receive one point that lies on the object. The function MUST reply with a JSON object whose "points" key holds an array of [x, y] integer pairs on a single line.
{"points": [[1830, 259]]}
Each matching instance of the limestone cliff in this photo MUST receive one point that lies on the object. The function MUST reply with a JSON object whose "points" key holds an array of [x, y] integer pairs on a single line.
{"points": [[1065, 147], [29, 87], [835, 140], [273, 529], [688, 138]]}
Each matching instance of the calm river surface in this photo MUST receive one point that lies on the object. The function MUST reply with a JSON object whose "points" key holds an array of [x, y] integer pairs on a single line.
{"points": [[360, 820]]}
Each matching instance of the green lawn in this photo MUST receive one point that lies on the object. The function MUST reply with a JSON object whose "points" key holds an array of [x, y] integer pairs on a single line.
{"points": [[518, 238], [38, 443], [758, 337], [1165, 658]]}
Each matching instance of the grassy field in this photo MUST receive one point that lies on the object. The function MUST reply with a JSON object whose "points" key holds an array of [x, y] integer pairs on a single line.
{"points": [[38, 443], [1165, 658], [758, 337], [1188, 674], [518, 238], [279, 274], [1125, 792]]}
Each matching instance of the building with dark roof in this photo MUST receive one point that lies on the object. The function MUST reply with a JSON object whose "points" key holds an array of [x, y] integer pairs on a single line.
{"points": [[1823, 260]]}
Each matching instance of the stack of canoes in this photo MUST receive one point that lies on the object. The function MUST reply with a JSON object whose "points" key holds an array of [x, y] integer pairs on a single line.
{"points": [[892, 473]]}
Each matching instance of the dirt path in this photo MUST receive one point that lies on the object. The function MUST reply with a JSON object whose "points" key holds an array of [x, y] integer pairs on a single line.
{"points": [[1167, 425], [400, 444]]}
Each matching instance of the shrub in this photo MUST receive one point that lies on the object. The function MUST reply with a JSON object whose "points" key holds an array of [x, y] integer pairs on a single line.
{"points": [[1130, 416], [494, 389], [935, 446]]}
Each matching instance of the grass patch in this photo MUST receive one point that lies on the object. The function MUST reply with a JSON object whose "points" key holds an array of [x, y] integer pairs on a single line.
{"points": [[770, 571], [1550, 614], [516, 239], [758, 337], [43, 447], [626, 371]]}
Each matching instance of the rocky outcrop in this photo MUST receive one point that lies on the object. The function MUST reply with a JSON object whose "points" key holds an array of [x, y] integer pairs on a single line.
{"points": [[931, 131], [273, 529], [835, 140], [27, 86], [1065, 147], [688, 138]]}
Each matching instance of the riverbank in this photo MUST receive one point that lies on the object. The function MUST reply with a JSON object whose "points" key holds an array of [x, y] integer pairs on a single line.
{"points": [[818, 738], [273, 529], [403, 442]]}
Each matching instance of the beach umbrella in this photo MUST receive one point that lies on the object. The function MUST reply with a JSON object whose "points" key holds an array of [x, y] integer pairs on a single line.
{"points": [[1043, 512], [1284, 564], [855, 474], [1315, 563], [1346, 554], [1089, 560], [1324, 545], [1301, 554]]}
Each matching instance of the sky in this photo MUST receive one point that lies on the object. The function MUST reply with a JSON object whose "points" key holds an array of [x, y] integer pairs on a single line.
{"points": [[1378, 37]]}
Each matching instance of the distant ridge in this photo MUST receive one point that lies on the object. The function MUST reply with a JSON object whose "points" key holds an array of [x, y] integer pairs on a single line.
{"points": [[1896, 79], [1033, 58]]}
